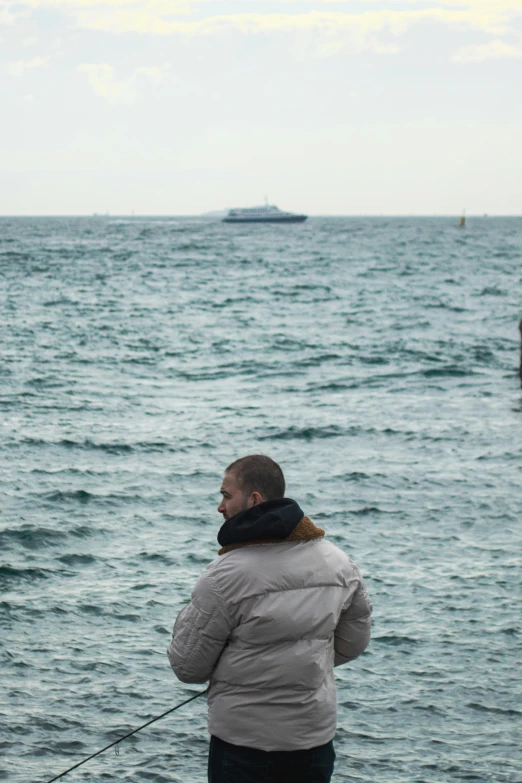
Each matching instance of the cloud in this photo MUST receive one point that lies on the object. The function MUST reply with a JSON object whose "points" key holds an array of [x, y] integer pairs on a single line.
{"points": [[154, 74], [19, 67], [171, 6], [360, 28], [474, 10], [9, 18], [494, 50], [487, 18], [103, 82], [6, 17], [101, 79], [128, 21], [168, 7]]}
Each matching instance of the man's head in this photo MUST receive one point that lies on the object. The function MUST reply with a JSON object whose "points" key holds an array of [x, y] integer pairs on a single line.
{"points": [[249, 481]]}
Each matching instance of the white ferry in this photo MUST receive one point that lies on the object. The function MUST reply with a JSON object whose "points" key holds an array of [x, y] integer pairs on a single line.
{"points": [[264, 214]]}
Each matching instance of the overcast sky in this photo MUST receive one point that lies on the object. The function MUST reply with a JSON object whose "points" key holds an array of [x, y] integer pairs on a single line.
{"points": [[326, 107]]}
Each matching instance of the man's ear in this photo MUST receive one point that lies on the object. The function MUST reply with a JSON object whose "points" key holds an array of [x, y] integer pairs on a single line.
{"points": [[256, 499]]}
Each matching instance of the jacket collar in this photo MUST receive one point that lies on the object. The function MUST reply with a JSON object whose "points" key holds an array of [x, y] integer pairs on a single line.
{"points": [[270, 519], [305, 530]]}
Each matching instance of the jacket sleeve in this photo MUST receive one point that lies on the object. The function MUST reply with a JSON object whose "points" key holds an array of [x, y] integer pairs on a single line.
{"points": [[353, 629], [200, 633]]}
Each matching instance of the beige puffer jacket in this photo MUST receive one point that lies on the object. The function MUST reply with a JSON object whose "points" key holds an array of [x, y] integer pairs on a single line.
{"points": [[266, 624]]}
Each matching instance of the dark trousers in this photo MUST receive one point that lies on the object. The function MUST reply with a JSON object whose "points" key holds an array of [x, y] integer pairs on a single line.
{"points": [[235, 764]]}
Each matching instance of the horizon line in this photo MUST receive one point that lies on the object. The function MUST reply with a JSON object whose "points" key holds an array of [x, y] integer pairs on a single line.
{"points": [[211, 216]]}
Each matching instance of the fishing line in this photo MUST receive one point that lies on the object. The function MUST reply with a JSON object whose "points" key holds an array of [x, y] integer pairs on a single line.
{"points": [[116, 742]]}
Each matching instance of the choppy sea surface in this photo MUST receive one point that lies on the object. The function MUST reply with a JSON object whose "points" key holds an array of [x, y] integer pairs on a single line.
{"points": [[375, 359]]}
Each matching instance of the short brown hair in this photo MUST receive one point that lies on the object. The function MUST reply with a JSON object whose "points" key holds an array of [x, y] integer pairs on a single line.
{"points": [[257, 473]]}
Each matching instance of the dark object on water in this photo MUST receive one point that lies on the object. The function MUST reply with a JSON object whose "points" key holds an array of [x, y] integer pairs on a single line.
{"points": [[264, 214]]}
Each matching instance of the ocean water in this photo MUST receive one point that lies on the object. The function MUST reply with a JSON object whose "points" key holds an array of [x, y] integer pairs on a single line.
{"points": [[375, 359]]}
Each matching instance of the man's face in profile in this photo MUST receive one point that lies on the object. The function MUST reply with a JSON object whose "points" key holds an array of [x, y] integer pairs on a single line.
{"points": [[233, 499]]}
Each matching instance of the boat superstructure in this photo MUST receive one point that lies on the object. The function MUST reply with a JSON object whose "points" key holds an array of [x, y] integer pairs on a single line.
{"points": [[264, 214]]}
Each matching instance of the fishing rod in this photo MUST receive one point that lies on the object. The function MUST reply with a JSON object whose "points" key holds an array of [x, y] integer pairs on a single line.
{"points": [[116, 742]]}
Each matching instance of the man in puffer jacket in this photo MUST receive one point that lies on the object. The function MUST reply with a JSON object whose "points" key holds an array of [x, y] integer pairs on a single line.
{"points": [[268, 621]]}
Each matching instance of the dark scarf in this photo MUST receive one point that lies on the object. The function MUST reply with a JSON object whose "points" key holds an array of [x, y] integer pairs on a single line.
{"points": [[270, 522]]}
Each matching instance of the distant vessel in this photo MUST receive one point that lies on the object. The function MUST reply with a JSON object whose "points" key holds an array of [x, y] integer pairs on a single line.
{"points": [[264, 214]]}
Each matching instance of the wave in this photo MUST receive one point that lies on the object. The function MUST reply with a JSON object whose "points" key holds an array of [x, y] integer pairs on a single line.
{"points": [[46, 382], [12, 574], [157, 557], [109, 448], [335, 385], [370, 510], [357, 476], [61, 300], [13, 255], [394, 639], [76, 559], [92, 609], [83, 497], [498, 710], [309, 433], [316, 361], [31, 537], [451, 370], [57, 496], [492, 291]]}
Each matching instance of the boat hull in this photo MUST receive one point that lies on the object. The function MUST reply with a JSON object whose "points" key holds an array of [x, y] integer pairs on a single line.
{"points": [[284, 219]]}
